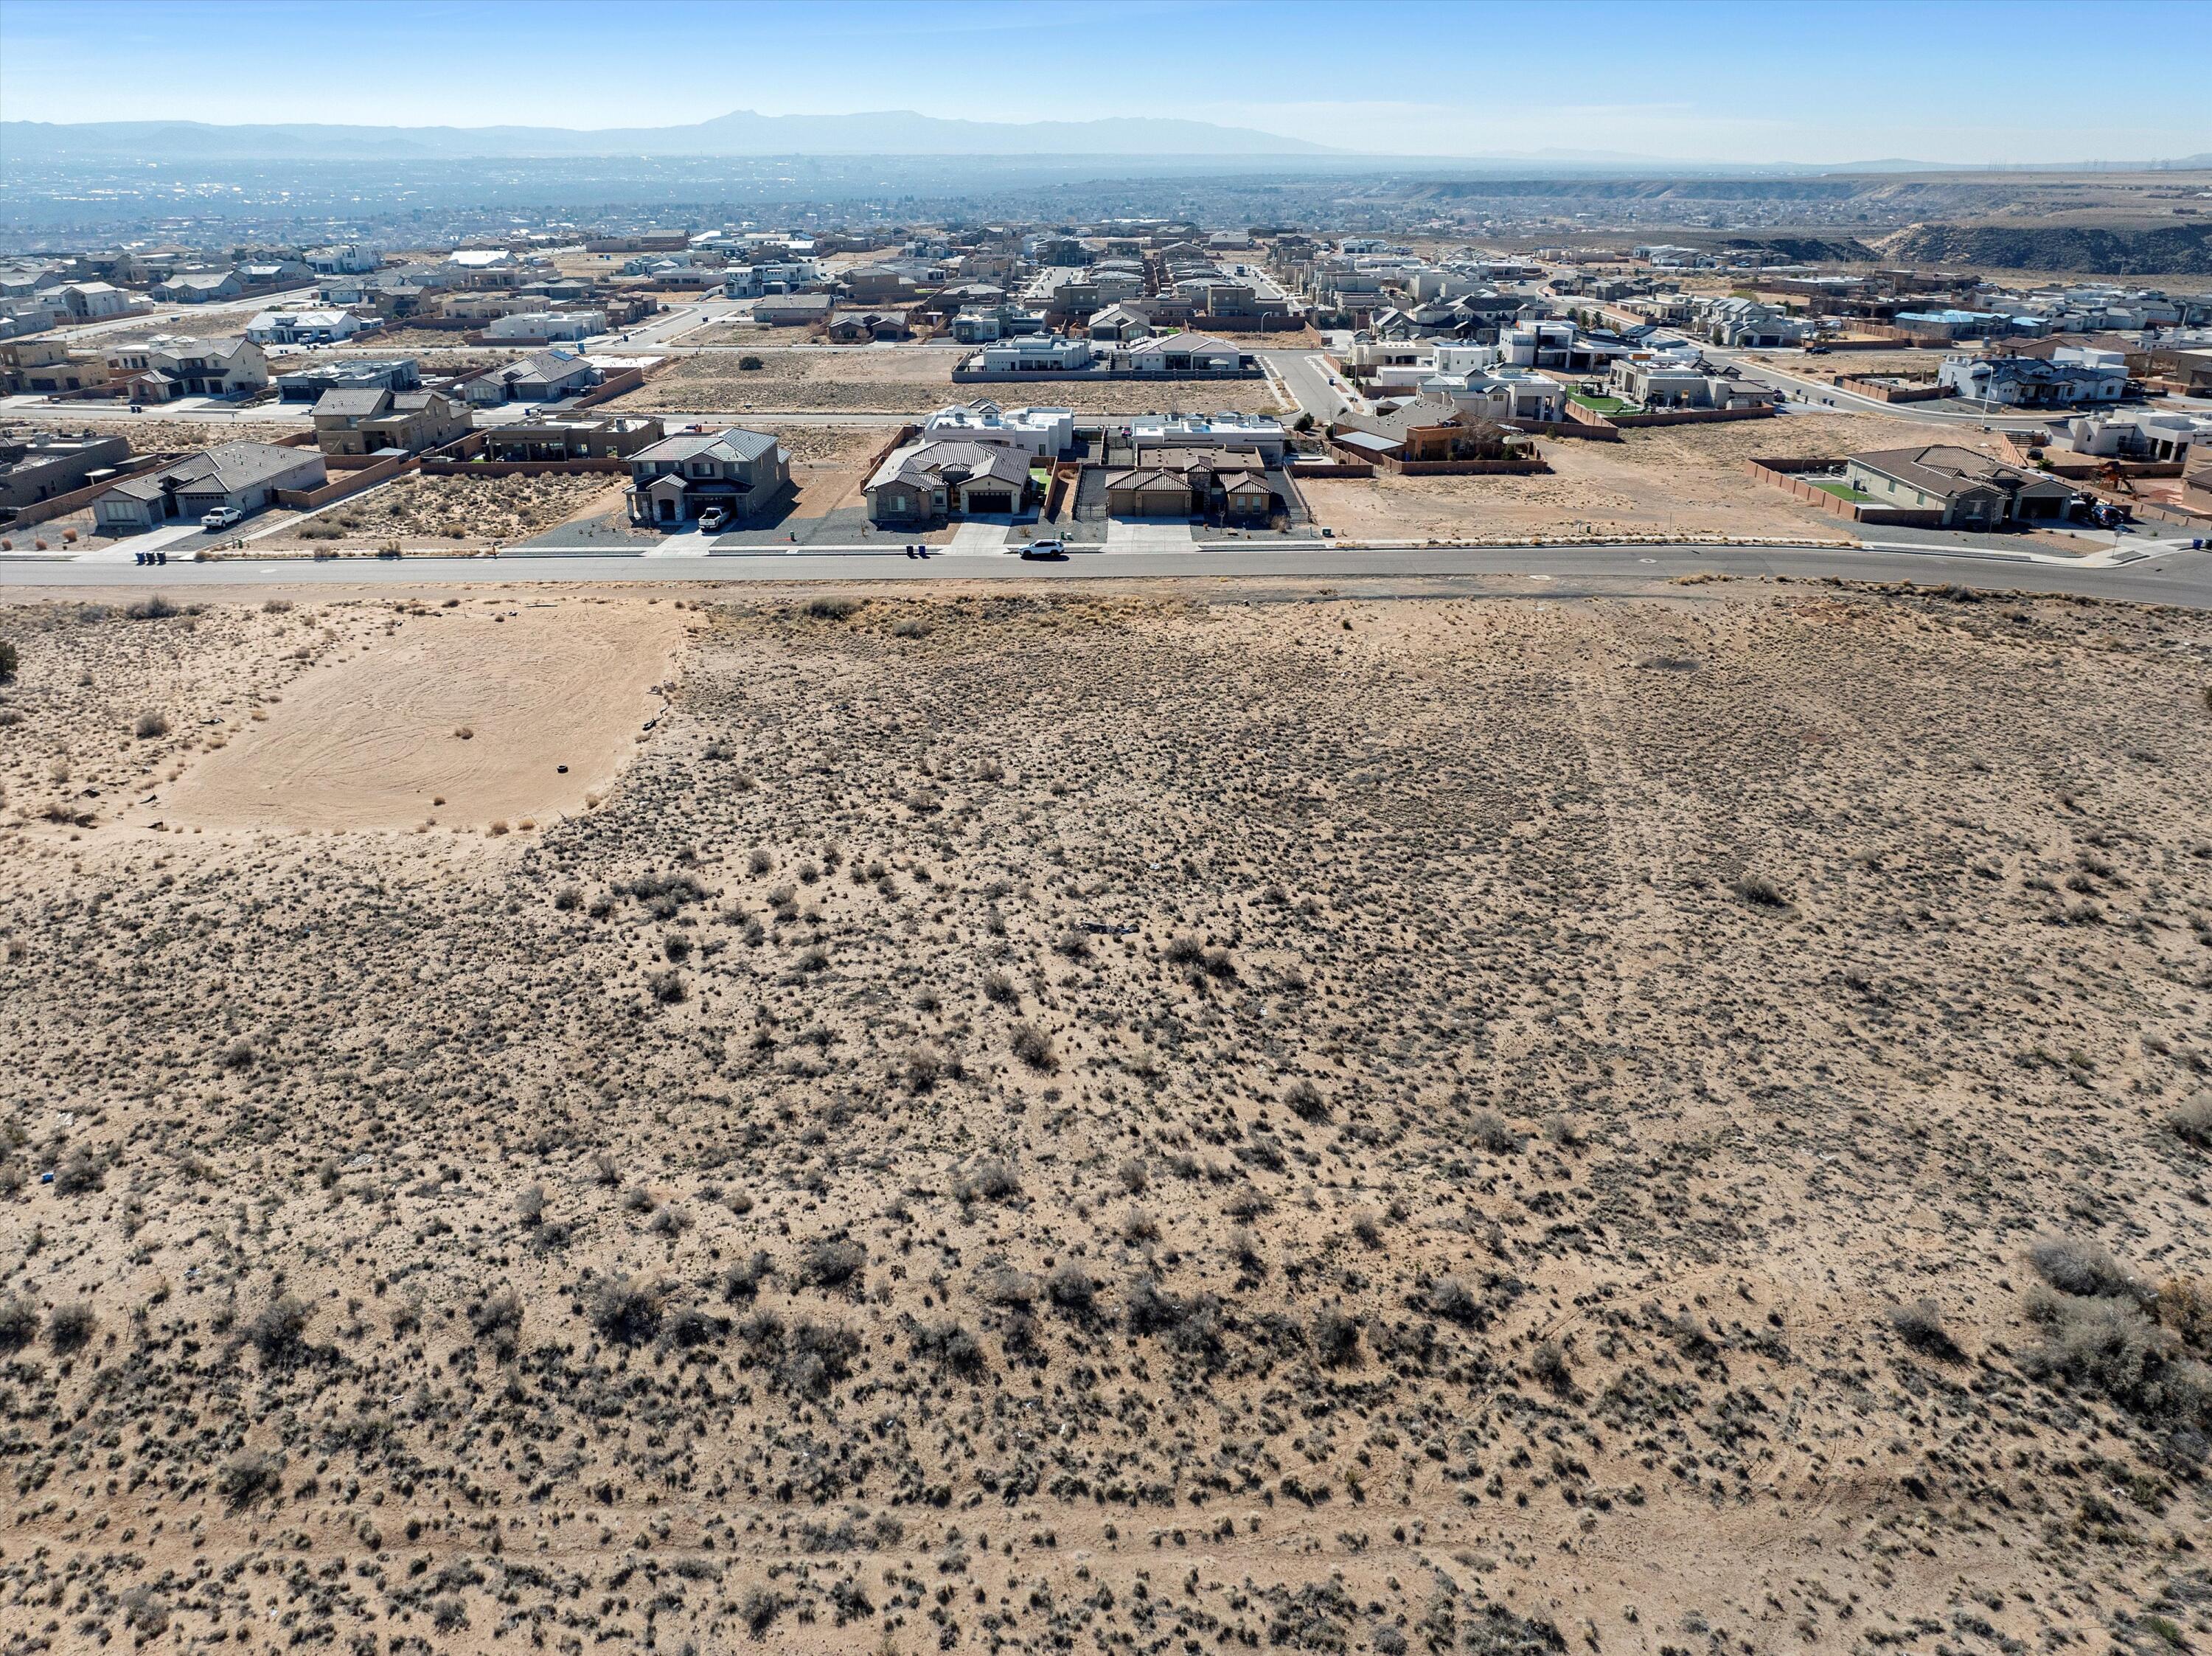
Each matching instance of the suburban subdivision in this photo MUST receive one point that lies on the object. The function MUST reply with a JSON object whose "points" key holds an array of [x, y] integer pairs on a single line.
{"points": [[1061, 877]]}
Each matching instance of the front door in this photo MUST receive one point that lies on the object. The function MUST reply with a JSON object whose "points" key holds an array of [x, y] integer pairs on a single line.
{"points": [[667, 511]]}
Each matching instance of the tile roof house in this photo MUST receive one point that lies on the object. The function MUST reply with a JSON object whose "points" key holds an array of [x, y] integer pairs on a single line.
{"points": [[1228, 484], [541, 377], [364, 420], [676, 479], [208, 368], [1970, 490], [926, 482], [242, 476]]}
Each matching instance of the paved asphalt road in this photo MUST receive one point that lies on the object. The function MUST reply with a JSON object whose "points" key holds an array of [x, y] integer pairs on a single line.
{"points": [[2181, 578]]}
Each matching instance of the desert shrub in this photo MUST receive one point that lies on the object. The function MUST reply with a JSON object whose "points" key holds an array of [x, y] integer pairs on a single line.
{"points": [[79, 1173], [1138, 1226], [2191, 1119], [497, 1320], [249, 1475], [950, 1344], [2186, 1307], [1185, 950], [750, 364], [1367, 1226], [149, 725], [665, 986], [1073, 944], [909, 627], [19, 1324], [69, 1328], [833, 609], [2107, 1346], [1070, 1287], [448, 1614], [1191, 1324], [2086, 1269], [670, 1221], [1334, 1337], [11, 660], [1305, 1101], [1759, 891], [663, 895], [742, 1281], [1920, 1325], [1219, 964], [1492, 1131], [760, 862], [568, 899], [604, 1172], [154, 607], [1548, 1363], [999, 989], [1450, 1299], [922, 1069], [1002, 1285], [832, 1262], [987, 1181], [278, 1330], [692, 1327], [626, 1311], [637, 1199], [236, 1055], [1035, 1048], [758, 1609], [1133, 1175], [815, 1357]]}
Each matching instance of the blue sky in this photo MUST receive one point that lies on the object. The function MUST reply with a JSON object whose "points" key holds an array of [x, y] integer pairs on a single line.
{"points": [[1673, 80]]}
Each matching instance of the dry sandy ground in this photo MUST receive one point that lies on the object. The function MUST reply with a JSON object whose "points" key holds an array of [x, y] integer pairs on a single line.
{"points": [[904, 380], [1670, 481], [1310, 1124], [471, 511], [476, 714], [888, 381]]}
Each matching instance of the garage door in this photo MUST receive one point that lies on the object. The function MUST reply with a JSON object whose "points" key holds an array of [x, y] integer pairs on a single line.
{"points": [[985, 500]]}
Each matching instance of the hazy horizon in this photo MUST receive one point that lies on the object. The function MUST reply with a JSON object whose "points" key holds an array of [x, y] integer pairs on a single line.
{"points": [[1714, 83]]}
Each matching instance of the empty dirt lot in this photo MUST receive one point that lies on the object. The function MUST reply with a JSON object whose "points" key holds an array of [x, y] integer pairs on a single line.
{"points": [[1022, 1121], [1685, 481], [905, 379]]}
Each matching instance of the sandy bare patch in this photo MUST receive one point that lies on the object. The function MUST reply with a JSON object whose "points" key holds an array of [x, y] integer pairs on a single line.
{"points": [[374, 741], [1663, 482]]}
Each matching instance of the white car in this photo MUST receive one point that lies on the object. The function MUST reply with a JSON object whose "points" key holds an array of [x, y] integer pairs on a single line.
{"points": [[1045, 549], [223, 517]]}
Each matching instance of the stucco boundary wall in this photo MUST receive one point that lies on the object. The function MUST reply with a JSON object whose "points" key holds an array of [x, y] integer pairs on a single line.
{"points": [[309, 499], [60, 506], [1687, 417], [1882, 392], [1780, 473], [1123, 376]]}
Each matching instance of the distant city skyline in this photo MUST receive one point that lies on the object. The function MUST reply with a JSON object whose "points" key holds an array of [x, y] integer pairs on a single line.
{"points": [[1712, 81]]}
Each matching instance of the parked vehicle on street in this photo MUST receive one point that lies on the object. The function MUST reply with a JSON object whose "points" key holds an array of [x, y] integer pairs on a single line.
{"points": [[1045, 549]]}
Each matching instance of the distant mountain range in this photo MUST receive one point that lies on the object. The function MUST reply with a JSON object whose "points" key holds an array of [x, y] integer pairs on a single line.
{"points": [[888, 133], [893, 133]]}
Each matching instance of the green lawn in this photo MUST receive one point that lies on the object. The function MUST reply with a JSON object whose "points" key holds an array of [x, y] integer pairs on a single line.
{"points": [[1845, 492], [1602, 404]]}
